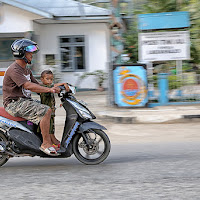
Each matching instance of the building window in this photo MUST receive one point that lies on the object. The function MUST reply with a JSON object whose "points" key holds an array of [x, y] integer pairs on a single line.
{"points": [[5, 51], [72, 50]]}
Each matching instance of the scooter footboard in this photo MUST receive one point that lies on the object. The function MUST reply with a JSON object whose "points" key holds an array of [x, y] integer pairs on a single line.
{"points": [[25, 140], [90, 125]]}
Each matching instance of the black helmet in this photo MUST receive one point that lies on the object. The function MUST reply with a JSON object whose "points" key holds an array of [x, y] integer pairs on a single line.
{"points": [[19, 47]]}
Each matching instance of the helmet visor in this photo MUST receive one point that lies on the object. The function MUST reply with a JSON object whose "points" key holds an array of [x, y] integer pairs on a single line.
{"points": [[32, 48]]}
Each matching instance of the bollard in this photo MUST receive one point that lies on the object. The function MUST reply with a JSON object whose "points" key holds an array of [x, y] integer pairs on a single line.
{"points": [[163, 88]]}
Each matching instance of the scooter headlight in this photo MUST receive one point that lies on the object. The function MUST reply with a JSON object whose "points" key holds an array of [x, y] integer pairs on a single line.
{"points": [[85, 114]]}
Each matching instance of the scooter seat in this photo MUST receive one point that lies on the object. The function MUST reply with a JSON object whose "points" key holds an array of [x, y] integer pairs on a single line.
{"points": [[3, 113]]}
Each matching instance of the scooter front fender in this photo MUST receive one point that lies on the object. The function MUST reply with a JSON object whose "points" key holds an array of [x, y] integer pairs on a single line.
{"points": [[90, 125]]}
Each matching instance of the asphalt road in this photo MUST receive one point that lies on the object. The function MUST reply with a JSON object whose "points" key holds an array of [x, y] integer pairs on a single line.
{"points": [[134, 171], [147, 161]]}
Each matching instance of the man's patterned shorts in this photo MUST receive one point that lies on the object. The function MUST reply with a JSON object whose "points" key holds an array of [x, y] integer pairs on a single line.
{"points": [[28, 109]]}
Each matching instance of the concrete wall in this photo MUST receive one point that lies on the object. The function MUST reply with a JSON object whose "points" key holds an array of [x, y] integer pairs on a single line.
{"points": [[14, 23], [96, 47], [15, 20]]}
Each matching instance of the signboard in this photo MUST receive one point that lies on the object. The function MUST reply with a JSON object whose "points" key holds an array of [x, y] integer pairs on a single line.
{"points": [[166, 20], [162, 46], [130, 85]]}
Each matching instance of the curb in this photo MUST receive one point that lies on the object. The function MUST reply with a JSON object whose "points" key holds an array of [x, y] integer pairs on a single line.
{"points": [[191, 116], [135, 120], [120, 120]]}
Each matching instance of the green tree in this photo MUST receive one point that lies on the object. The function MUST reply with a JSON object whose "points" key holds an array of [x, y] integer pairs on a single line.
{"points": [[157, 6], [131, 43], [194, 8]]}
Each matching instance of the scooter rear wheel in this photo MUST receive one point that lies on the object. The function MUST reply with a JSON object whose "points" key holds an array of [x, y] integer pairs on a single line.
{"points": [[98, 149], [3, 157]]}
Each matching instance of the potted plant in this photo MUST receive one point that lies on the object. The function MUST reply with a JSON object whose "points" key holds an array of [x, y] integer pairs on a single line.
{"points": [[99, 74]]}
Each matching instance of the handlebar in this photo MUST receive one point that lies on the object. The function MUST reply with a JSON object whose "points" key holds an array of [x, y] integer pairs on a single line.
{"points": [[63, 90]]}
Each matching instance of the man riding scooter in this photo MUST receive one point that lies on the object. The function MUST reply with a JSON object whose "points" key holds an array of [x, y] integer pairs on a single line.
{"points": [[17, 86]]}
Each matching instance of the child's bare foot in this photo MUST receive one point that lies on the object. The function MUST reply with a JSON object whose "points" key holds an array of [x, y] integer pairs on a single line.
{"points": [[54, 139]]}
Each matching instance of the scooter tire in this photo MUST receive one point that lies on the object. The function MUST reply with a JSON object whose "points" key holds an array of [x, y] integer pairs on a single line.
{"points": [[3, 158], [89, 161]]}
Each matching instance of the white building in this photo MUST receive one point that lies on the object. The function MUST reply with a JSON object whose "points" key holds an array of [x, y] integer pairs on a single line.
{"points": [[73, 37]]}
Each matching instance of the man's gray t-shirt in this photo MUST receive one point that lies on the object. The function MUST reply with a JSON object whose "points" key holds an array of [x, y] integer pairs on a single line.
{"points": [[13, 81]]}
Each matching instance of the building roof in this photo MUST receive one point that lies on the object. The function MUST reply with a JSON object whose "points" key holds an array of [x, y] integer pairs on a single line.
{"points": [[59, 8]]}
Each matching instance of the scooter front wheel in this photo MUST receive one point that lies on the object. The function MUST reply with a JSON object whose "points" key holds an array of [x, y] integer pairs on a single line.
{"points": [[93, 151], [3, 157]]}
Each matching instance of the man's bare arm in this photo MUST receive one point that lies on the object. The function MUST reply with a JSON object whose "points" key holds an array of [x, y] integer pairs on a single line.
{"points": [[40, 89]]}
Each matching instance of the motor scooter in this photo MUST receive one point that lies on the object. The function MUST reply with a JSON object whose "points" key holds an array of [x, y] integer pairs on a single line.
{"points": [[81, 136]]}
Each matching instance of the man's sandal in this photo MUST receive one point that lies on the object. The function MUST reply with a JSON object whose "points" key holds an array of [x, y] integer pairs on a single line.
{"points": [[49, 151]]}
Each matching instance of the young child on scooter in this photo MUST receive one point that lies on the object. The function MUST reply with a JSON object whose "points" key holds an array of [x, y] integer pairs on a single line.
{"points": [[49, 99]]}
